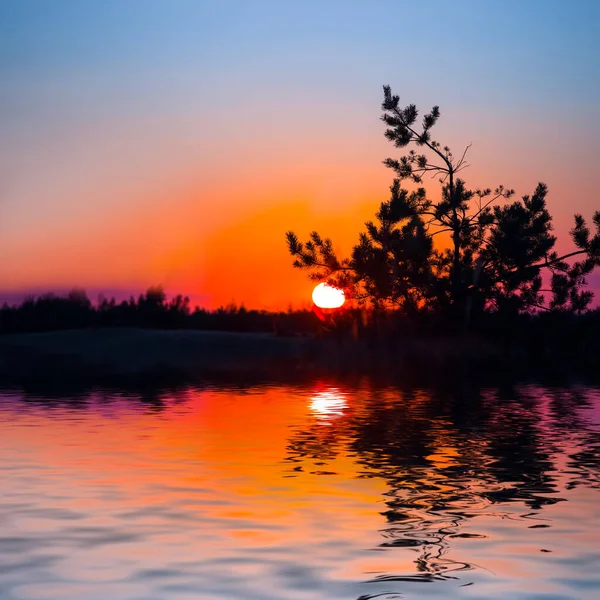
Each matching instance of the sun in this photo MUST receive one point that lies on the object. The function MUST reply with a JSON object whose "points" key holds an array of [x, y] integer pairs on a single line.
{"points": [[327, 296]]}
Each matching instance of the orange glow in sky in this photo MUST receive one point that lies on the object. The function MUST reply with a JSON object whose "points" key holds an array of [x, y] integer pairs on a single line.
{"points": [[180, 153]]}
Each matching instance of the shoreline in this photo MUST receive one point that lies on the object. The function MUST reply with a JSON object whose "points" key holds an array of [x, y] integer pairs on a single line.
{"points": [[120, 355]]}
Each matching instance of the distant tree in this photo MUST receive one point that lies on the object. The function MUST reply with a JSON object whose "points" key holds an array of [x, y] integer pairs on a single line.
{"points": [[180, 305], [154, 298], [497, 251], [79, 297]]}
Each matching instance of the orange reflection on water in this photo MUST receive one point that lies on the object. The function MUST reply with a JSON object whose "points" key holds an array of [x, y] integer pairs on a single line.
{"points": [[284, 492]]}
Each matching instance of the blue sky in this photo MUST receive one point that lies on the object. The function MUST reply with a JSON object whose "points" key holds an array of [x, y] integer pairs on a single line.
{"points": [[109, 108]]}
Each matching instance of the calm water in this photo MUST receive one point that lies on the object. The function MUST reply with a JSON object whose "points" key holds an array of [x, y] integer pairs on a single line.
{"points": [[317, 492]]}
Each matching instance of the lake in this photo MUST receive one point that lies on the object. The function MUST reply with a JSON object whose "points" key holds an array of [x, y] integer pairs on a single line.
{"points": [[321, 491]]}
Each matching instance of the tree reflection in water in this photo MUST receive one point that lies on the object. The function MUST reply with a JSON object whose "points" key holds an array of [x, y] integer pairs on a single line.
{"points": [[450, 455]]}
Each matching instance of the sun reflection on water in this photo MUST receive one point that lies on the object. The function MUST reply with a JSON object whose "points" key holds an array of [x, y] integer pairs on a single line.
{"points": [[328, 404]]}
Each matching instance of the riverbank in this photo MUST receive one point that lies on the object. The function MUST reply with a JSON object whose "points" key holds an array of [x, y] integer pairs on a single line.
{"points": [[141, 352], [138, 352], [124, 353]]}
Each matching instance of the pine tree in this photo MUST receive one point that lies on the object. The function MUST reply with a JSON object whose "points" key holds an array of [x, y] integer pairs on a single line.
{"points": [[498, 251]]}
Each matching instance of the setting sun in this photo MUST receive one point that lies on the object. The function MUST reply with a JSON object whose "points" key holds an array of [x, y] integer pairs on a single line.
{"points": [[286, 250], [327, 296]]}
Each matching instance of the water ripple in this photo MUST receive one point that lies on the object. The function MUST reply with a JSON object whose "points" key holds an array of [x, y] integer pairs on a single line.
{"points": [[353, 492]]}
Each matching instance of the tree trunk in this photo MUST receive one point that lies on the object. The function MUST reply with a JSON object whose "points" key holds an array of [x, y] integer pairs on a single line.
{"points": [[457, 292]]}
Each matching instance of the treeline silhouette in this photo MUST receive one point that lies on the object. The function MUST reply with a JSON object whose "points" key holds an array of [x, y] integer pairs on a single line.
{"points": [[553, 337], [51, 312]]}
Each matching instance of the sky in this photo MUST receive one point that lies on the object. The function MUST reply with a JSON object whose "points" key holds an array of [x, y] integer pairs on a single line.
{"points": [[175, 142]]}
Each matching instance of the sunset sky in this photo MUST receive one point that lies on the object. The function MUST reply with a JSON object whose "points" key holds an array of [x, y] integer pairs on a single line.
{"points": [[174, 142]]}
